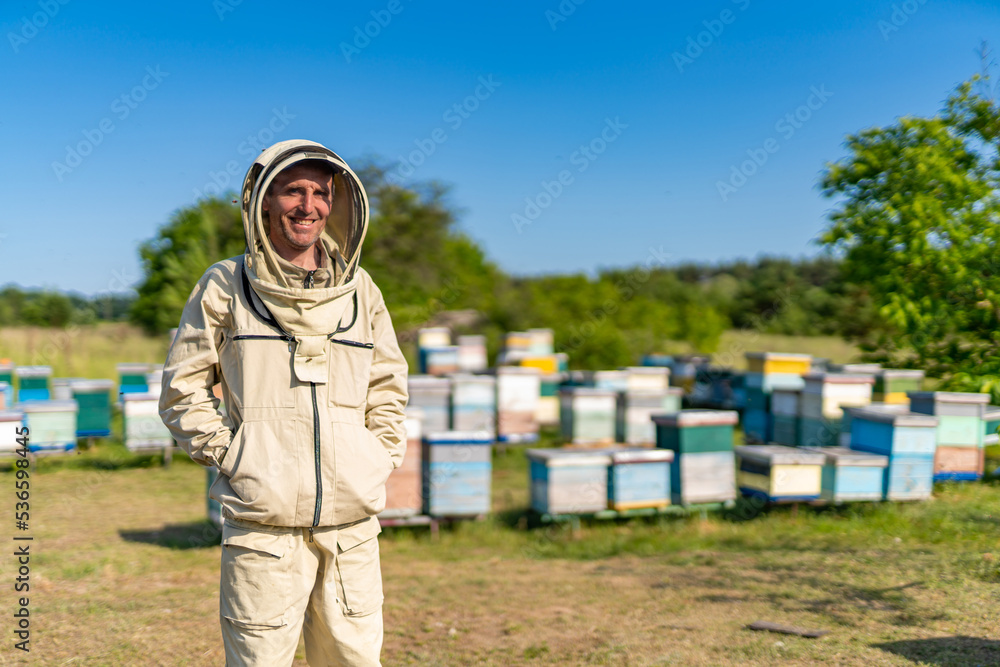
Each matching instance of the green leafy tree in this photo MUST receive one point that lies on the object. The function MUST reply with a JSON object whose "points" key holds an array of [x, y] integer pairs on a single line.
{"points": [[917, 227]]}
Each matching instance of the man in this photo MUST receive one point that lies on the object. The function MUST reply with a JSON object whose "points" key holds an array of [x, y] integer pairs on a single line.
{"points": [[314, 387]]}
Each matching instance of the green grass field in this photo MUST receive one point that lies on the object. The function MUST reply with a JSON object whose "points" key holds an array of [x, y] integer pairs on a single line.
{"points": [[125, 564]]}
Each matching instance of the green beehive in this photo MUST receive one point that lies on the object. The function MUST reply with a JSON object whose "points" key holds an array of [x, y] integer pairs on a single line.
{"points": [[51, 425], [33, 383], [94, 399], [696, 431]]}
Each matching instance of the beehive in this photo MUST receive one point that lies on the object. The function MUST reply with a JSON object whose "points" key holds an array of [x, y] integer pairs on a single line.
{"points": [[684, 370], [541, 342], [5, 396], [143, 427], [433, 337], [545, 364], [547, 413], [908, 439], [850, 475], [473, 403], [635, 410], [845, 422], [960, 432], [518, 391], [472, 356], [61, 389], [439, 360], [822, 404], [587, 415], [132, 378], [94, 399], [10, 422], [33, 383], [51, 424], [642, 378], [611, 380], [893, 385], [403, 488], [457, 469], [779, 474], [785, 416], [991, 422], [778, 362], [639, 478], [433, 396], [7, 378], [567, 481], [154, 380], [704, 467]]}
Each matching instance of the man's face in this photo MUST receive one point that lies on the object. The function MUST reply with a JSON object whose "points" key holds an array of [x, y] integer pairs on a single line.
{"points": [[298, 204]]}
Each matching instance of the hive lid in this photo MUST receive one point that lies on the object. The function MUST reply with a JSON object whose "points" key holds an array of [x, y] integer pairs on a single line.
{"points": [[48, 406], [845, 456], [637, 455], [557, 457], [144, 396], [698, 418], [91, 385], [779, 356], [11, 415], [459, 437], [992, 413], [133, 369], [839, 378], [901, 373], [779, 455], [653, 393], [867, 369], [894, 418], [893, 408], [428, 382], [587, 391], [949, 397], [472, 378], [33, 371], [517, 370]]}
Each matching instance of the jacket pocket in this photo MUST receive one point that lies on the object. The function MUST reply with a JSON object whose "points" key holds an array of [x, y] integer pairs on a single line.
{"points": [[350, 370], [257, 571], [363, 466], [359, 572], [263, 370], [262, 469]]}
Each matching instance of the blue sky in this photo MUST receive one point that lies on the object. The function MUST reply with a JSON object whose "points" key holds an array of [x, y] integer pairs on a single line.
{"points": [[587, 135]]}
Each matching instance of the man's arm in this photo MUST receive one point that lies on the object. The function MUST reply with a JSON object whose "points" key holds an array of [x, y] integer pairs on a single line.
{"points": [[187, 406], [387, 396]]}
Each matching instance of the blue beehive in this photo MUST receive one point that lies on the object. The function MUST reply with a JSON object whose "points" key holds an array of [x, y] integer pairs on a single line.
{"points": [[132, 378], [908, 439], [639, 478], [33, 383], [457, 468], [850, 475], [473, 402], [568, 481]]}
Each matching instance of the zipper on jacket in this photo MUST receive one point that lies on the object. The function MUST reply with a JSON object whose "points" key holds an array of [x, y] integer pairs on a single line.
{"points": [[308, 282], [263, 337], [316, 455], [352, 343]]}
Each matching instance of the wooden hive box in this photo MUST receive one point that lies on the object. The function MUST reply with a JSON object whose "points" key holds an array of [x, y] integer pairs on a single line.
{"points": [[51, 425], [94, 399], [472, 355], [10, 422], [850, 475], [611, 380], [991, 422], [547, 413], [457, 469], [587, 415], [518, 391], [785, 416], [960, 415], [642, 378], [892, 385], [778, 473], [541, 342], [545, 364], [777, 362], [132, 378], [154, 380], [404, 487], [769, 382], [33, 383], [822, 405], [473, 403], [845, 422], [439, 360], [635, 410], [433, 337], [639, 478], [704, 465], [568, 481], [433, 396], [908, 439], [958, 464], [143, 427]]}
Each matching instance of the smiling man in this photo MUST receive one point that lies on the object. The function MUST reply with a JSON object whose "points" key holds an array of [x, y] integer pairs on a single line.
{"points": [[314, 387]]}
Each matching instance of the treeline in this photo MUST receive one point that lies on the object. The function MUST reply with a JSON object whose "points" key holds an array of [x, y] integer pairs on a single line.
{"points": [[50, 308]]}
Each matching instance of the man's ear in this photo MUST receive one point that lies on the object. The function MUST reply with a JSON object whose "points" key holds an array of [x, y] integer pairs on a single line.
{"points": [[264, 203]]}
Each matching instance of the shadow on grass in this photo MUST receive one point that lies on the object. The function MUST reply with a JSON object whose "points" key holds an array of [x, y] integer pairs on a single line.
{"points": [[957, 651], [196, 535]]}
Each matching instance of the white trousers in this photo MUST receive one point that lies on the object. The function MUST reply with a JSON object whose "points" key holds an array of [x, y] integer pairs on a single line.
{"points": [[279, 582]]}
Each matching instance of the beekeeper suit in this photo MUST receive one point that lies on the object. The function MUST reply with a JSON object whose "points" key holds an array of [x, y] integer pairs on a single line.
{"points": [[314, 387]]}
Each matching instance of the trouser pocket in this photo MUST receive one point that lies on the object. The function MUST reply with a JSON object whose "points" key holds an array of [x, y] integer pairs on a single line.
{"points": [[360, 577], [256, 577]]}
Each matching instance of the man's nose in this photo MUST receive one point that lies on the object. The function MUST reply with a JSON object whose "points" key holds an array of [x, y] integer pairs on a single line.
{"points": [[308, 203]]}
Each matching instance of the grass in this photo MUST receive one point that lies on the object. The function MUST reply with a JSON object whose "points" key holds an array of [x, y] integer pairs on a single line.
{"points": [[124, 564]]}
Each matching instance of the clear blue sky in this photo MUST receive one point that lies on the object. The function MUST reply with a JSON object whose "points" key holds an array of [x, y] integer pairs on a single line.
{"points": [[198, 78]]}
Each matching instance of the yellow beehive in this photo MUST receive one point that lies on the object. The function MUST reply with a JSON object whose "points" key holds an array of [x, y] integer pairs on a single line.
{"points": [[547, 364], [777, 362]]}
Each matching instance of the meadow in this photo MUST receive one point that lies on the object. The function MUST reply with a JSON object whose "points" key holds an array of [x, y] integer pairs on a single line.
{"points": [[125, 572]]}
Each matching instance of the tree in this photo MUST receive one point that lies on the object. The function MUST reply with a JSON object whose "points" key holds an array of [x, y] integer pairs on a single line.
{"points": [[917, 227]]}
